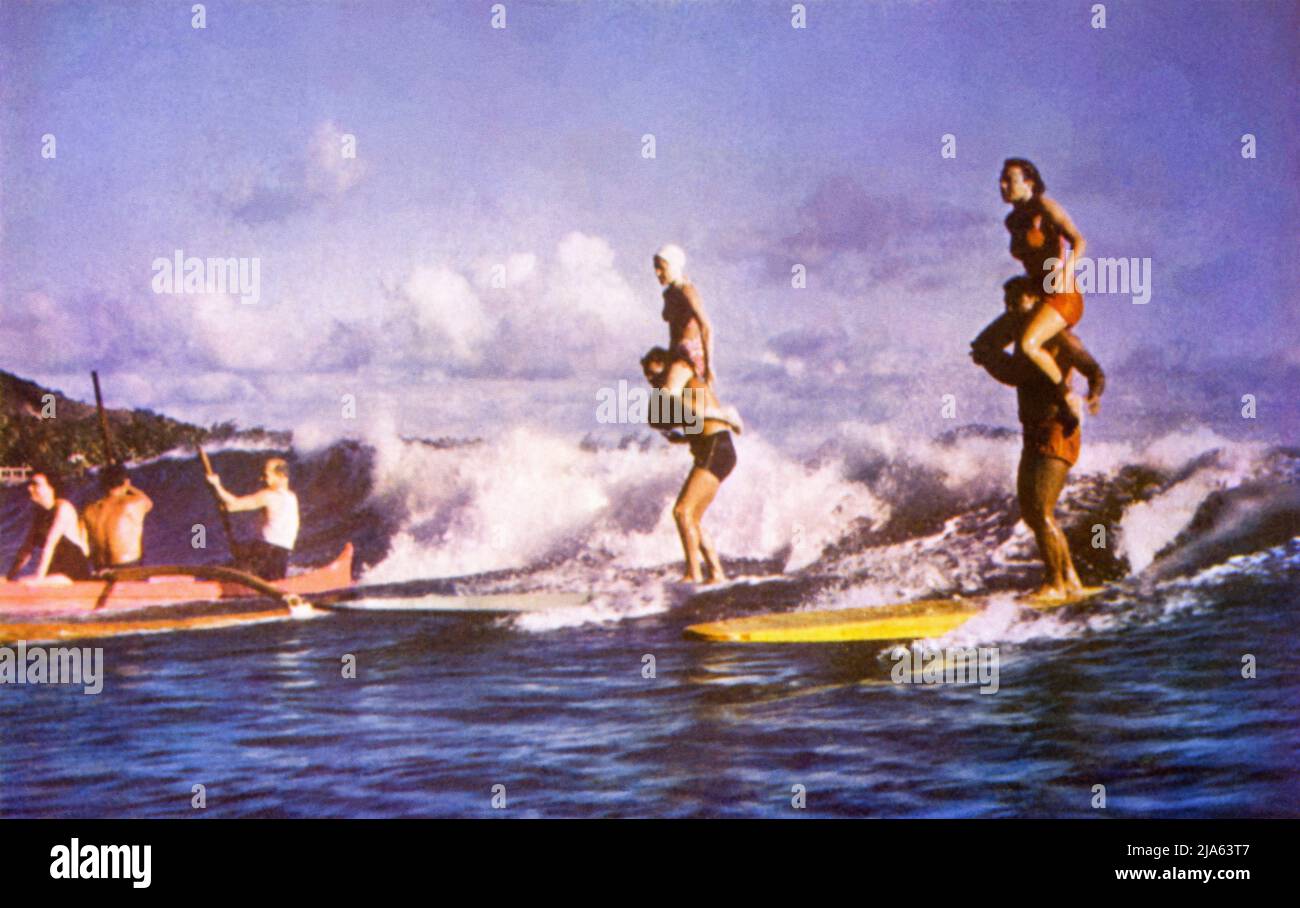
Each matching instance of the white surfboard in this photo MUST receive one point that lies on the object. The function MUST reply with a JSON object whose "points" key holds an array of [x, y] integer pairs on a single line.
{"points": [[686, 588], [486, 603]]}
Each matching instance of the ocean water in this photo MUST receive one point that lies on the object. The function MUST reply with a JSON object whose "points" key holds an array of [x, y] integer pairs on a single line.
{"points": [[1140, 691]]}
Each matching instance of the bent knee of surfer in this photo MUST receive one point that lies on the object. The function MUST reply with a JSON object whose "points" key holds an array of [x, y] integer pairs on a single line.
{"points": [[683, 515]]}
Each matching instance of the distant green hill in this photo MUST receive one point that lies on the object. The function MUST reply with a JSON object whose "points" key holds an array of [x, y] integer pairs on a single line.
{"points": [[71, 440]]}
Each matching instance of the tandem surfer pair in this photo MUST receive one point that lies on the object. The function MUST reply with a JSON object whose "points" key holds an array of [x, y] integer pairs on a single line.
{"points": [[1041, 308], [109, 532], [689, 411]]}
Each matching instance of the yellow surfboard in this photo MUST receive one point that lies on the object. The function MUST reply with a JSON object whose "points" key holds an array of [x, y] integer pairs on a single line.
{"points": [[906, 621]]}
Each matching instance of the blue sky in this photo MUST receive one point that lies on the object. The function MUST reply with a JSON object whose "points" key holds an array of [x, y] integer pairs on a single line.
{"points": [[521, 147]]}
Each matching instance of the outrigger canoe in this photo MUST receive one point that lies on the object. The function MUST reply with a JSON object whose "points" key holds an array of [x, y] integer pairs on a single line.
{"points": [[92, 598]]}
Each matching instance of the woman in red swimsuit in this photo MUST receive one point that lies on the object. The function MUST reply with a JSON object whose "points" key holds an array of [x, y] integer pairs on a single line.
{"points": [[1040, 230]]}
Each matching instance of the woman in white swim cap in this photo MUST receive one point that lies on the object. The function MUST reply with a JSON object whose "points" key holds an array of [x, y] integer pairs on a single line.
{"points": [[690, 336]]}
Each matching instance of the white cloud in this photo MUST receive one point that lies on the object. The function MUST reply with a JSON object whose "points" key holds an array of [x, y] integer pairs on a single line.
{"points": [[445, 306], [586, 281], [569, 313], [273, 192], [565, 318]]}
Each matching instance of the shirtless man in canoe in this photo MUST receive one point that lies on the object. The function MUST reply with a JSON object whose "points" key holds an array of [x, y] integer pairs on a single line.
{"points": [[714, 455], [268, 556], [114, 525], [56, 533], [1049, 450]]}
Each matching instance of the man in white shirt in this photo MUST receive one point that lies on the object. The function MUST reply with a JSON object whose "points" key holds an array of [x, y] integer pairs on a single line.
{"points": [[267, 556]]}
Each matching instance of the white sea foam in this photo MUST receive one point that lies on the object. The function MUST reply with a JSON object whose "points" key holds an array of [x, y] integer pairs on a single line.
{"points": [[1149, 526], [582, 517], [529, 496]]}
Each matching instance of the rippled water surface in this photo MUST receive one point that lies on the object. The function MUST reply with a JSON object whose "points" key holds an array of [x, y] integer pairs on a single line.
{"points": [[1136, 695]]}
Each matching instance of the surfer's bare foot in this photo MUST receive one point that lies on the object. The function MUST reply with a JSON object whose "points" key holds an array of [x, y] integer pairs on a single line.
{"points": [[688, 577], [712, 566], [1049, 592]]}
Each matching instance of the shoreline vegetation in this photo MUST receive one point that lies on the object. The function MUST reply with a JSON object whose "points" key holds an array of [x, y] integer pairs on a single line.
{"points": [[42, 427]]}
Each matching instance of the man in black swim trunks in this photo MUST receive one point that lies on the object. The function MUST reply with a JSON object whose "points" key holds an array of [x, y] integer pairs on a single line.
{"points": [[715, 457], [56, 532]]}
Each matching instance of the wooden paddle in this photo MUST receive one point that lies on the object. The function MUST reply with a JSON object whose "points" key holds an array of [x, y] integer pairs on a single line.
{"points": [[221, 505], [110, 453]]}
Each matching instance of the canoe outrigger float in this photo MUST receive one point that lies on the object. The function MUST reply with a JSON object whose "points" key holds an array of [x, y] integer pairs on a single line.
{"points": [[104, 607]]}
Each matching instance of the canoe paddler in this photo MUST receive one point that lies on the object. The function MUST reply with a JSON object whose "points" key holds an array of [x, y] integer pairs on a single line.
{"points": [[267, 556], [56, 531], [114, 525]]}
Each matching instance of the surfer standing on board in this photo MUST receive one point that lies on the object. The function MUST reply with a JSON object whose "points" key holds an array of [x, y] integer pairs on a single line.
{"points": [[715, 458], [114, 525], [1051, 443], [56, 530], [1040, 230], [268, 556]]}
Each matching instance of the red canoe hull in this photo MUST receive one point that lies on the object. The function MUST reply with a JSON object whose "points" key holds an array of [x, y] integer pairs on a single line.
{"points": [[94, 597]]}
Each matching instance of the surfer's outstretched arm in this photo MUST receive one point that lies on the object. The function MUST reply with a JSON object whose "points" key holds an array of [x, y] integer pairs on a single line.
{"points": [[252, 502]]}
